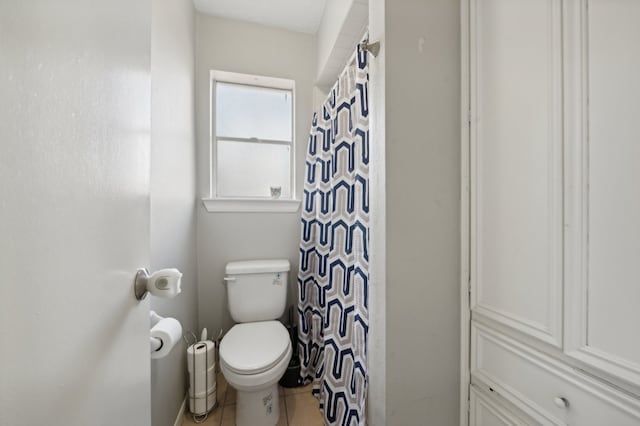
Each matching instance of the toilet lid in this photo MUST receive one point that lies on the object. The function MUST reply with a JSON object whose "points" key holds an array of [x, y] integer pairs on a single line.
{"points": [[254, 347]]}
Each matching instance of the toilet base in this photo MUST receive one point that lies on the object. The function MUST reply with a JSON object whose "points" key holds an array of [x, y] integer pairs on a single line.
{"points": [[258, 408]]}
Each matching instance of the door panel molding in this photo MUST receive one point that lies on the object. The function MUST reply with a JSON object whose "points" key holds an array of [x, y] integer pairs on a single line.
{"points": [[480, 402], [577, 193], [548, 329], [592, 393]]}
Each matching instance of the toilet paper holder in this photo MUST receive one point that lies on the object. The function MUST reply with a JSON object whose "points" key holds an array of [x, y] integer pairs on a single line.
{"points": [[159, 347], [156, 343]]}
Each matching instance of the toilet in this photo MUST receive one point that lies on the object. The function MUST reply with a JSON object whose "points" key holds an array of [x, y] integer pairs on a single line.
{"points": [[255, 353]]}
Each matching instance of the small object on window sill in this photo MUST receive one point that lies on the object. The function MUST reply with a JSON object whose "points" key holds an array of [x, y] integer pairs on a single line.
{"points": [[276, 191]]}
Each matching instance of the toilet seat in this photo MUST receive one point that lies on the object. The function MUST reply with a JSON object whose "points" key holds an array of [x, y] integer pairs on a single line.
{"points": [[255, 347]]}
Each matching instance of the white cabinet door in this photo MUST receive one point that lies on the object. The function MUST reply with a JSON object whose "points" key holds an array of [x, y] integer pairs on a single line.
{"points": [[516, 164], [604, 227], [554, 217]]}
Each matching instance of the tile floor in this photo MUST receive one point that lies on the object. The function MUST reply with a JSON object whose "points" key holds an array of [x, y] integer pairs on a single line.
{"points": [[297, 407]]}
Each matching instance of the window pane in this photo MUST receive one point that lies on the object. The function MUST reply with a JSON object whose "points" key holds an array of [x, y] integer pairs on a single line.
{"points": [[252, 112], [247, 169]]}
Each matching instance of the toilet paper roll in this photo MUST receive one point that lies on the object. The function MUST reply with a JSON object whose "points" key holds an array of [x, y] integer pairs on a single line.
{"points": [[199, 355], [200, 405], [169, 331], [201, 395], [199, 382]]}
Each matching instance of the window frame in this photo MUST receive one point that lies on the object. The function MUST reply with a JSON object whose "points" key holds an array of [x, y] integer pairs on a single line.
{"points": [[242, 203]]}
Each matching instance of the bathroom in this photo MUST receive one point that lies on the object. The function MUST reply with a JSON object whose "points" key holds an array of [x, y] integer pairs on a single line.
{"points": [[107, 166]]}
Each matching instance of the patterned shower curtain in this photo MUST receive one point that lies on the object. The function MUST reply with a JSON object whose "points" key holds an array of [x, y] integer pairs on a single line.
{"points": [[333, 277]]}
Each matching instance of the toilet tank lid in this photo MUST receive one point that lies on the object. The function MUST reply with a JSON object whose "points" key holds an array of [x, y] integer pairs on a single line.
{"points": [[257, 266]]}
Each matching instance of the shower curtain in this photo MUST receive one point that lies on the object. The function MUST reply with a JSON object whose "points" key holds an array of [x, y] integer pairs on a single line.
{"points": [[333, 276]]}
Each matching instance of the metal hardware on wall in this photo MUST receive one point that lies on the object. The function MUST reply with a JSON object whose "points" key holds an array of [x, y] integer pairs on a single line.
{"points": [[373, 48]]}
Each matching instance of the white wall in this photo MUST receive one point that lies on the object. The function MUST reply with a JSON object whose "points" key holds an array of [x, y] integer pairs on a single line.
{"points": [[236, 46], [173, 188], [74, 212], [333, 17], [343, 24], [422, 139]]}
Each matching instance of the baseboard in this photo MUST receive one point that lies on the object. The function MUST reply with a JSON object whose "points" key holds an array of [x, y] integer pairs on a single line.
{"points": [[180, 415]]}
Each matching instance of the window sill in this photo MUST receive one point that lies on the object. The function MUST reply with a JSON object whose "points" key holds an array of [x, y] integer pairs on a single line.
{"points": [[248, 205]]}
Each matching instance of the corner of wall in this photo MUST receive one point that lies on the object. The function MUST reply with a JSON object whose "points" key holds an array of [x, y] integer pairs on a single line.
{"points": [[173, 189], [377, 398]]}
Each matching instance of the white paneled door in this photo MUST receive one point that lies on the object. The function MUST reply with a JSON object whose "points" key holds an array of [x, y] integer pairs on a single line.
{"points": [[553, 235], [74, 212]]}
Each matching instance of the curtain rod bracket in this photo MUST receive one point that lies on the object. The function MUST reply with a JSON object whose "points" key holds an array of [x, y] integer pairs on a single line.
{"points": [[373, 48]]}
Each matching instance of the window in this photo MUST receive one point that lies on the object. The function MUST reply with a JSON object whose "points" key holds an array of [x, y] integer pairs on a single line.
{"points": [[252, 143]]}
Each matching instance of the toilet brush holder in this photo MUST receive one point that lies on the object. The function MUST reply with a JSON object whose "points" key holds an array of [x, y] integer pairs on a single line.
{"points": [[291, 377]]}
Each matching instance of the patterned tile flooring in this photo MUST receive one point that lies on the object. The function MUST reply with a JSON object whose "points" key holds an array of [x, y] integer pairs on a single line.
{"points": [[297, 407]]}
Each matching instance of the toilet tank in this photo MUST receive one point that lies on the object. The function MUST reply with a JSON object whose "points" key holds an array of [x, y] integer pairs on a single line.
{"points": [[257, 289]]}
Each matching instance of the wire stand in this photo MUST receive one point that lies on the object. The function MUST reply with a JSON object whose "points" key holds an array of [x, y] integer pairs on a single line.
{"points": [[199, 418]]}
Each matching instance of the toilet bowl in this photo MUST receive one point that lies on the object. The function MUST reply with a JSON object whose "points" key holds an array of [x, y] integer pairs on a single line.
{"points": [[253, 357], [255, 353]]}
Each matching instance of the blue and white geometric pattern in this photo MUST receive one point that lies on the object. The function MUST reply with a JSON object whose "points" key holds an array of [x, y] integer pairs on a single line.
{"points": [[333, 277]]}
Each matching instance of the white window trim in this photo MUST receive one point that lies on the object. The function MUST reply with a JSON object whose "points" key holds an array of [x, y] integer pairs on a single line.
{"points": [[243, 204], [254, 205]]}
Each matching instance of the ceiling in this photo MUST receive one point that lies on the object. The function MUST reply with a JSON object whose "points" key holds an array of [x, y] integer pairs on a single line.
{"points": [[295, 15]]}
